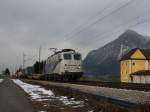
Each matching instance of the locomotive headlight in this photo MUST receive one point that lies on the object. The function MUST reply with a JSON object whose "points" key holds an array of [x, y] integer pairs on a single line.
{"points": [[79, 67]]}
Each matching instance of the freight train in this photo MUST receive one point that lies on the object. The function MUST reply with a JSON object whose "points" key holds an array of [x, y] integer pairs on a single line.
{"points": [[64, 65]]}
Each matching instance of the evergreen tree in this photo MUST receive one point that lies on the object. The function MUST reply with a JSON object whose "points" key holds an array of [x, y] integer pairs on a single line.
{"points": [[38, 65], [7, 72]]}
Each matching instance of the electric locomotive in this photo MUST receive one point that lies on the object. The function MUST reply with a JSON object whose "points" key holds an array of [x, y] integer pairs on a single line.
{"points": [[64, 65]]}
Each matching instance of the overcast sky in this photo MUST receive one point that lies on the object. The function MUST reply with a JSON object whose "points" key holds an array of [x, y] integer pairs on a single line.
{"points": [[25, 25]]}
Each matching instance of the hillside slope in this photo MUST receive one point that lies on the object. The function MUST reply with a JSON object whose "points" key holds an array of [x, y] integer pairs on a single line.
{"points": [[105, 60]]}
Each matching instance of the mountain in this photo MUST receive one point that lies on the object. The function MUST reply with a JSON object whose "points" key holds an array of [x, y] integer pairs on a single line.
{"points": [[105, 60]]}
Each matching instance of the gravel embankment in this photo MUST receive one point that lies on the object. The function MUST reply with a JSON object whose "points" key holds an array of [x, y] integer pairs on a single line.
{"points": [[133, 96], [66, 100], [37, 93]]}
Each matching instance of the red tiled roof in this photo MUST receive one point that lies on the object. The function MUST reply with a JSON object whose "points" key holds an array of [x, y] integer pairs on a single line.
{"points": [[145, 52], [142, 72]]}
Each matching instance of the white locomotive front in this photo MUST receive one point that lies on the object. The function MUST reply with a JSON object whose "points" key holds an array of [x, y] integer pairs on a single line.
{"points": [[64, 65]]}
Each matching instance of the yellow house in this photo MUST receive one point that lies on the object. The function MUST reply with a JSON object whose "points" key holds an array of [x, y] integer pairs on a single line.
{"points": [[134, 61]]}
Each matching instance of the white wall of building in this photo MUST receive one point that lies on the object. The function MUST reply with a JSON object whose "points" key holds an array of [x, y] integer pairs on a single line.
{"points": [[141, 79]]}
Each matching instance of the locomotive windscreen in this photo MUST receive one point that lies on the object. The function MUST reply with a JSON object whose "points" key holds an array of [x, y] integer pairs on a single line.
{"points": [[77, 56], [67, 56]]}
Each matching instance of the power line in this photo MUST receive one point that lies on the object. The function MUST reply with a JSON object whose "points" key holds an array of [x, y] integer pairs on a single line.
{"points": [[117, 26], [29, 59], [130, 26], [122, 24], [89, 19], [100, 19], [135, 19], [26, 59]]}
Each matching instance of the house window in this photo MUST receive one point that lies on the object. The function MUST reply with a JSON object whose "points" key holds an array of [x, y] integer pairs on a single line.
{"points": [[133, 63], [131, 78]]}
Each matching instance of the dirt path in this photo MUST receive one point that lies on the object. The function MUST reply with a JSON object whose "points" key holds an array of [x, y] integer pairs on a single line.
{"points": [[13, 98]]}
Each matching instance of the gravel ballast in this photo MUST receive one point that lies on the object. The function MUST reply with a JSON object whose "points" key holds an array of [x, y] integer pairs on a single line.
{"points": [[132, 96]]}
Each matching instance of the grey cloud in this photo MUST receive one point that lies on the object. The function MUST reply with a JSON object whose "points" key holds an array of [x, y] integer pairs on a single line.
{"points": [[25, 25]]}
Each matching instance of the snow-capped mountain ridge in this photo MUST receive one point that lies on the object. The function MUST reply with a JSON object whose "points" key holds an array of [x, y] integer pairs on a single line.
{"points": [[105, 60]]}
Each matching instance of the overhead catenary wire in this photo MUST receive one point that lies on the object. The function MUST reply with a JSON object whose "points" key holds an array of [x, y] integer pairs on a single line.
{"points": [[29, 59], [122, 24], [119, 30], [101, 19], [126, 23], [130, 26], [89, 19]]}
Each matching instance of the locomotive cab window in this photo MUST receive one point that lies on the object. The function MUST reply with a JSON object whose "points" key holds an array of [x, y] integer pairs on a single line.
{"points": [[67, 56], [77, 56]]}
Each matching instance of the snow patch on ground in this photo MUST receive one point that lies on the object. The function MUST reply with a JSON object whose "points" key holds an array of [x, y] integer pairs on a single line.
{"points": [[71, 101], [38, 93], [1, 80], [91, 111]]}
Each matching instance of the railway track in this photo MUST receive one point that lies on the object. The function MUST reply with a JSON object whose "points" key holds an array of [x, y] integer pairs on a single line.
{"points": [[127, 103], [120, 103], [118, 85]]}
